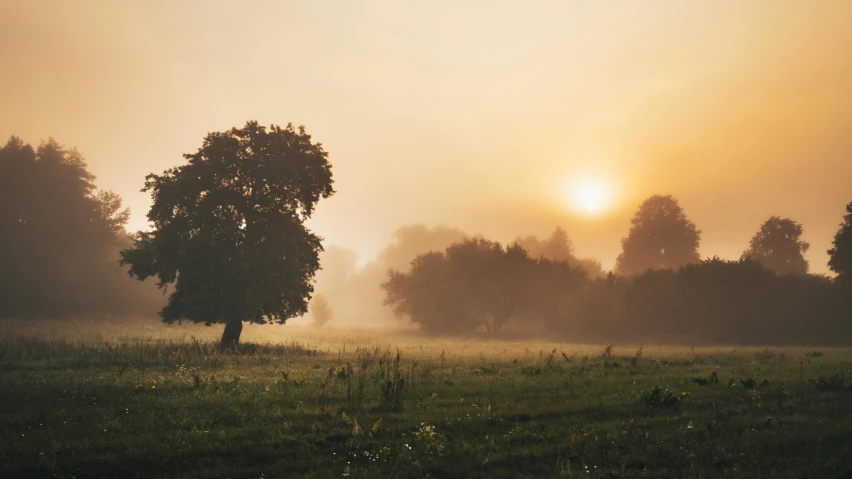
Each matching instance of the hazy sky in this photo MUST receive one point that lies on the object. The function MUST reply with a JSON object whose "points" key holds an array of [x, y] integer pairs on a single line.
{"points": [[474, 114]]}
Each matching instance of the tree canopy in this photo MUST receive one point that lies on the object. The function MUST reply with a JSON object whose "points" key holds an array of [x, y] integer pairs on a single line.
{"points": [[661, 236], [477, 284], [840, 255], [228, 228], [60, 237], [777, 246]]}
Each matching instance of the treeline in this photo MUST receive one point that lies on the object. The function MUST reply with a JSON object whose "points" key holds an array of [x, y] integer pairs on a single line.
{"points": [[60, 239], [660, 291], [713, 301]]}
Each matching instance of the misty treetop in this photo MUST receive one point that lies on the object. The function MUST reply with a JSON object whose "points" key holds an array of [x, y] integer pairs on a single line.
{"points": [[558, 247], [661, 236], [60, 237], [777, 246], [228, 228]]}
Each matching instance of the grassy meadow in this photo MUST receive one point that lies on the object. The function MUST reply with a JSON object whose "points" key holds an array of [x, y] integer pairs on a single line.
{"points": [[149, 400]]}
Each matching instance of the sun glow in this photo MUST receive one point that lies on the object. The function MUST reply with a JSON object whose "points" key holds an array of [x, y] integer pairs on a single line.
{"points": [[589, 194]]}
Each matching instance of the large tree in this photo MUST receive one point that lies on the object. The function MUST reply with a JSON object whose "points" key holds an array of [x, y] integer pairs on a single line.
{"points": [[777, 246], [841, 252], [660, 237], [229, 232]]}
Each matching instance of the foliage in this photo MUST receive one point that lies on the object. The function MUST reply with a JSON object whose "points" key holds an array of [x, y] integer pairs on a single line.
{"points": [[228, 228], [558, 247], [658, 397], [749, 383], [777, 246], [841, 252], [60, 238], [479, 284], [714, 301], [661, 236], [832, 383], [713, 379], [321, 311]]}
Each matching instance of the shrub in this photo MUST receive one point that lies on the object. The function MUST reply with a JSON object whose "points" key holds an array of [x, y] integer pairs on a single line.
{"points": [[712, 379], [663, 398]]}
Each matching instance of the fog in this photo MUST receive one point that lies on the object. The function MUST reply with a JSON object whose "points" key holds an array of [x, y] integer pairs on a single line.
{"points": [[381, 238], [354, 288], [473, 116], [446, 121]]}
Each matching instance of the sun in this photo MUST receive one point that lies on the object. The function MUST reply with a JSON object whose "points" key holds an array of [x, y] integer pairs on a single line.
{"points": [[590, 195]]}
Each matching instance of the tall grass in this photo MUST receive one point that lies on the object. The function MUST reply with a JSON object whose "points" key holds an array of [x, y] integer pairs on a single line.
{"points": [[168, 402]]}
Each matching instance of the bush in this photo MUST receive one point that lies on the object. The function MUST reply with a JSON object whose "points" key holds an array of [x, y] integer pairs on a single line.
{"points": [[663, 398]]}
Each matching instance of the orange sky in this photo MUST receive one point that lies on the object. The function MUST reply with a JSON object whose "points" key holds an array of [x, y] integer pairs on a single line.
{"points": [[472, 114]]}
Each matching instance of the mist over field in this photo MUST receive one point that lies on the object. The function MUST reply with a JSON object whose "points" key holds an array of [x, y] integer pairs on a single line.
{"points": [[455, 239]]}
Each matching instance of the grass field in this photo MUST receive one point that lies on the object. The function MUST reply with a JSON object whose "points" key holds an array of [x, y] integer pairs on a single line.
{"points": [[145, 400]]}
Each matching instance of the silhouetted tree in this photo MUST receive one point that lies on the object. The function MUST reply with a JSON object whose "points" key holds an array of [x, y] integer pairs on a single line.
{"points": [[840, 254], [777, 246], [229, 228], [321, 312], [429, 295], [454, 291], [479, 284], [551, 287], [661, 236], [59, 237]]}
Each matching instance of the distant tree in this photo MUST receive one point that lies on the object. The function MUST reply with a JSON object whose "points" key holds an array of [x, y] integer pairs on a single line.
{"points": [[550, 287], [339, 266], [321, 312], [592, 267], [428, 295], [229, 232], [59, 237], [491, 279], [777, 246], [110, 210], [478, 284], [558, 247], [661, 236], [411, 240], [841, 253]]}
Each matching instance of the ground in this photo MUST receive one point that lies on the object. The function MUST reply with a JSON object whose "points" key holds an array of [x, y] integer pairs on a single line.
{"points": [[146, 400]]}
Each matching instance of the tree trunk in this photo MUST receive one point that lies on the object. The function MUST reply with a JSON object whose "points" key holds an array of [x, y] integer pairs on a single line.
{"points": [[231, 335]]}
